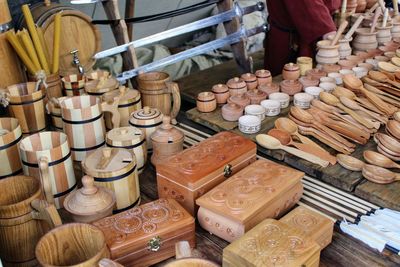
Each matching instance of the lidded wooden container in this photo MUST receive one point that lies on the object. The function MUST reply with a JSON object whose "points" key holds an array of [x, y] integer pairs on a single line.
{"points": [[115, 169], [250, 80], [236, 86], [10, 137], [221, 93], [291, 71], [147, 234], [194, 171], [272, 243], [264, 189], [291, 87], [167, 141], [231, 111], [129, 101], [132, 138], [148, 120], [269, 88], [256, 96], [90, 203], [264, 77], [314, 225], [99, 82], [206, 102], [243, 100]]}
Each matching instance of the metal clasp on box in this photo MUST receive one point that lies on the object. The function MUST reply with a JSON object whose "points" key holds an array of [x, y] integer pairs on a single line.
{"points": [[154, 244], [228, 170]]}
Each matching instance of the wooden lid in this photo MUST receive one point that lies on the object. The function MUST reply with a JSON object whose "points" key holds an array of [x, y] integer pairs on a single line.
{"points": [[90, 199], [205, 96], [250, 190], [126, 95], [167, 133], [100, 82], [236, 83], [291, 67], [109, 161], [256, 93], [249, 77], [232, 107], [124, 136], [191, 167], [263, 73], [146, 115], [220, 88]]}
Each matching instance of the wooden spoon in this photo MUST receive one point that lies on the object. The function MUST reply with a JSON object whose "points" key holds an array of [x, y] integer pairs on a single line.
{"points": [[388, 97], [270, 142], [349, 162], [395, 61], [383, 152], [334, 101], [382, 86], [378, 159], [387, 66], [285, 139], [388, 142], [396, 116], [380, 77], [393, 127], [354, 106], [379, 175], [354, 27]]}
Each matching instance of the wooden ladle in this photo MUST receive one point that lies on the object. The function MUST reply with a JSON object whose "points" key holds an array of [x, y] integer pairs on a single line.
{"points": [[285, 139], [349, 162], [379, 175], [354, 106], [380, 77], [334, 101], [380, 160], [270, 142]]}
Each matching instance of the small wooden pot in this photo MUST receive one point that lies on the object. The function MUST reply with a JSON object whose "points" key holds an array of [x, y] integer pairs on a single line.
{"points": [[231, 112], [361, 6], [384, 34], [291, 87], [316, 74], [291, 71], [344, 48], [74, 84], [9, 140], [236, 86], [269, 88], [327, 53], [86, 246], [264, 77], [395, 31], [305, 64], [206, 102], [221, 93], [256, 96], [307, 81], [250, 80], [167, 141], [365, 40], [242, 100]]}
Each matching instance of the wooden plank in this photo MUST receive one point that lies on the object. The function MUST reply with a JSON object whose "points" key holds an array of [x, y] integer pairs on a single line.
{"points": [[383, 195]]}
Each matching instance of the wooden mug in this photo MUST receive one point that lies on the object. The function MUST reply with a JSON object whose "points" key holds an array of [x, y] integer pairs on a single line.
{"points": [[73, 244], [74, 84], [158, 92], [84, 124], [22, 210], [10, 136]]}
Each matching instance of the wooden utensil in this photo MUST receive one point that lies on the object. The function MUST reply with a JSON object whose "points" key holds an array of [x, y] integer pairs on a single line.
{"points": [[380, 77], [393, 127], [341, 91], [368, 82], [387, 66], [339, 32], [353, 28], [379, 175], [383, 152], [378, 159], [388, 142], [349, 162], [387, 97], [354, 106], [378, 12], [396, 116], [286, 139], [270, 142], [395, 61]]}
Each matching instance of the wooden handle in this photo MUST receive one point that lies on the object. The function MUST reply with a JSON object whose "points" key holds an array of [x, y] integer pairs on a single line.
{"points": [[304, 155], [385, 17], [182, 250], [339, 32], [106, 158], [312, 150], [334, 135], [46, 212], [343, 8], [176, 98], [113, 109], [45, 179], [396, 7], [308, 141], [356, 116], [373, 8], [379, 103], [354, 27], [109, 263], [349, 132], [378, 12], [382, 4]]}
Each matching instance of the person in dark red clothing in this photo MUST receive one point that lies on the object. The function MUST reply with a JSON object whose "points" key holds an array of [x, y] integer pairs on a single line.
{"points": [[295, 27]]}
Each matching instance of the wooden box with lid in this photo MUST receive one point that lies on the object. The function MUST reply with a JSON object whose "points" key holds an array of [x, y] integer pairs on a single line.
{"points": [[262, 190], [194, 171], [147, 234], [272, 243], [313, 224]]}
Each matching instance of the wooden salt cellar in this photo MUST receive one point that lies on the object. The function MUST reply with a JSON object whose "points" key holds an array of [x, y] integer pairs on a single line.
{"points": [[194, 171], [250, 80], [314, 225], [264, 77], [90, 203], [263, 189], [221, 93], [291, 71], [256, 96], [115, 169], [272, 243], [147, 120], [147, 234], [167, 141], [132, 138], [10, 137], [243, 100], [206, 102], [236, 86], [231, 111]]}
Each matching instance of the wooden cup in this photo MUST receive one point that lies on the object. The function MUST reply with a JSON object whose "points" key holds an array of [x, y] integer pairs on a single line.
{"points": [[10, 137]]}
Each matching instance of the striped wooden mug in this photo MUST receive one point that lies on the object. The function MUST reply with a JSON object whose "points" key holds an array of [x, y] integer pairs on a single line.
{"points": [[84, 124], [10, 136], [53, 148], [74, 84]]}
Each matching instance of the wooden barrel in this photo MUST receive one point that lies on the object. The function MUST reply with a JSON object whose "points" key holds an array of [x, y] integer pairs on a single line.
{"points": [[53, 82], [54, 147], [77, 32], [148, 120], [5, 16], [28, 106], [73, 244], [83, 124], [9, 140], [129, 138], [116, 169], [54, 110], [74, 84]]}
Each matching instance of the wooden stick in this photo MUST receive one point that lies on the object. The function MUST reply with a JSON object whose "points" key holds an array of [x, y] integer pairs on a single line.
{"points": [[56, 43], [129, 13], [339, 32], [12, 39], [27, 42], [378, 12], [385, 17], [396, 7], [354, 27]]}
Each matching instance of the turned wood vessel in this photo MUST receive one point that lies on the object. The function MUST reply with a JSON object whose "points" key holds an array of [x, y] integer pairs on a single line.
{"points": [[361, 6], [305, 64], [365, 40], [327, 53], [291, 87], [263, 77], [147, 120], [194, 171], [384, 34], [74, 84], [221, 93], [256, 96], [184, 257], [28, 106], [243, 100], [84, 114], [167, 141], [251, 80], [99, 82], [291, 71], [344, 48], [263, 189], [206, 102], [115, 169], [395, 31], [72, 244], [131, 138], [146, 235], [231, 111], [10, 138], [269, 88], [236, 86], [158, 92], [316, 74], [52, 148], [307, 81]]}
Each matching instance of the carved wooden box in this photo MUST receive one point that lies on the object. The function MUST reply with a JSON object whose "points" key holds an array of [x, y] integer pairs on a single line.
{"points": [[317, 226], [262, 190], [272, 243], [147, 234], [194, 171]]}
